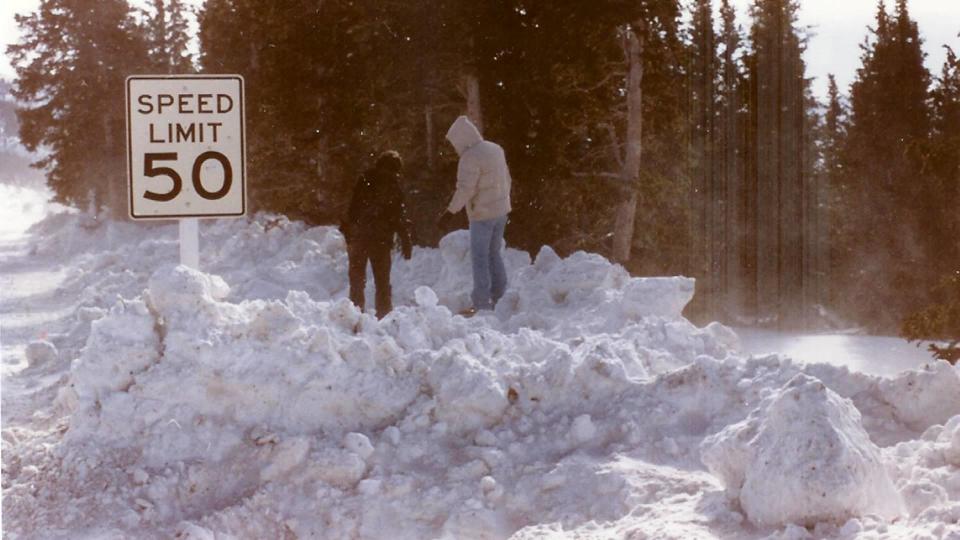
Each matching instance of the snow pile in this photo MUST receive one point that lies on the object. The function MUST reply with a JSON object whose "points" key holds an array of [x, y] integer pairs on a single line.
{"points": [[252, 400], [302, 365], [585, 294], [181, 385], [924, 397], [928, 473], [802, 458]]}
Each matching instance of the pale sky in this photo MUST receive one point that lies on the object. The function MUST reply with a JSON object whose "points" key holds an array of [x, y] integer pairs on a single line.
{"points": [[839, 26]]}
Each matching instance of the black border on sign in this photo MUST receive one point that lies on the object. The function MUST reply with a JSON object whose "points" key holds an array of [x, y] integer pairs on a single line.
{"points": [[243, 147]]}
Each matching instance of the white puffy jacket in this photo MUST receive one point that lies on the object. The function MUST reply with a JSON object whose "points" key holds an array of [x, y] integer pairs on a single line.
{"points": [[483, 179]]}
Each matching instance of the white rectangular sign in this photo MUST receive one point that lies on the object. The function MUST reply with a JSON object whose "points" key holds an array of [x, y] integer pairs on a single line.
{"points": [[185, 146]]}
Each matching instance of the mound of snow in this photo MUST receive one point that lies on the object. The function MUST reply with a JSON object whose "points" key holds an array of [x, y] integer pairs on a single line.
{"points": [[924, 397], [252, 400], [188, 386], [802, 458], [40, 352]]}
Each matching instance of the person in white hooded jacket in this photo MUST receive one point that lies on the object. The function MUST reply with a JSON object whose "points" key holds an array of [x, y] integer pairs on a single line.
{"points": [[483, 188]]}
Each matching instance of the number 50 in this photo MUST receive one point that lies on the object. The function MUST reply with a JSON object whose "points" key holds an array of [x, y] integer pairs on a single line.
{"points": [[151, 171]]}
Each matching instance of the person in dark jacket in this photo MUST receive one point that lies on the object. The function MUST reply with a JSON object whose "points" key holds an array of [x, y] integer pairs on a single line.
{"points": [[376, 215]]}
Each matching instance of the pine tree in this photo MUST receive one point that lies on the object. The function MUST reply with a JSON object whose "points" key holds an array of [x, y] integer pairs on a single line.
{"points": [[942, 201], [166, 31], [884, 175], [554, 83], [779, 120], [941, 318], [705, 198], [837, 193], [306, 141], [730, 156], [71, 64], [835, 127], [546, 80]]}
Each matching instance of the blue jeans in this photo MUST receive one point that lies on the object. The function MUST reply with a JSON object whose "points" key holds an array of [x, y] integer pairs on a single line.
{"points": [[489, 274]]}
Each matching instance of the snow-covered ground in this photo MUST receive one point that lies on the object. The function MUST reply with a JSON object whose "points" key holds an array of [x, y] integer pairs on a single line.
{"points": [[877, 355], [252, 400]]}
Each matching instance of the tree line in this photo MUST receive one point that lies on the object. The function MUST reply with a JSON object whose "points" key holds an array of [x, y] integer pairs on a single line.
{"points": [[651, 131]]}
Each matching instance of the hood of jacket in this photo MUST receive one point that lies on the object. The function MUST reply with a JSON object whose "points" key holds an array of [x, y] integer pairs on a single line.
{"points": [[463, 134]]}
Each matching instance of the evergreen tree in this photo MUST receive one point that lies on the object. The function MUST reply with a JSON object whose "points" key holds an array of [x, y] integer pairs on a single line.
{"points": [[777, 180], [166, 27], [884, 176], [730, 157], [71, 64], [941, 318], [835, 128], [837, 192], [547, 80], [941, 225], [369, 76], [308, 69], [706, 198], [939, 321]]}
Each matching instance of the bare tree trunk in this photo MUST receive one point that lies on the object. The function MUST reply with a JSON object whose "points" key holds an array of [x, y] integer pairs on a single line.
{"points": [[472, 85], [428, 120], [627, 209]]}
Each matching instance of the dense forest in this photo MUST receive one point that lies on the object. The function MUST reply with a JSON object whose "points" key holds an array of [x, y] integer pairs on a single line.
{"points": [[671, 137]]}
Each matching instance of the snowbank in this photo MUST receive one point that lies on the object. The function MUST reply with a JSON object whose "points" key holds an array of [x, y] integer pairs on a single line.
{"points": [[252, 400]]}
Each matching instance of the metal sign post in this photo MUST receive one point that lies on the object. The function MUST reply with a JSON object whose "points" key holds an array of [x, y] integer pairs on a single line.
{"points": [[186, 151]]}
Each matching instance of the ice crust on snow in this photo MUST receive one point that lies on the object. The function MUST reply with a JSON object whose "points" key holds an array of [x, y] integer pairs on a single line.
{"points": [[252, 400]]}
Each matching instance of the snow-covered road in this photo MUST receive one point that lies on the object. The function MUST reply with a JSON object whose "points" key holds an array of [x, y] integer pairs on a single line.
{"points": [[30, 308], [876, 355]]}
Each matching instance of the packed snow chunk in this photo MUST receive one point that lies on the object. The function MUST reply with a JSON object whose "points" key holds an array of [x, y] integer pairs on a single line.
{"points": [[182, 286], [583, 429], [120, 345], [359, 444], [583, 274], [723, 335], [924, 397], [951, 436], [425, 297], [469, 394], [802, 457], [337, 467], [661, 296], [546, 259], [40, 352]]}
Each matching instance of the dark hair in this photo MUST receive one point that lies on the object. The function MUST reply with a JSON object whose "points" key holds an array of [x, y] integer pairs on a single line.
{"points": [[390, 161]]}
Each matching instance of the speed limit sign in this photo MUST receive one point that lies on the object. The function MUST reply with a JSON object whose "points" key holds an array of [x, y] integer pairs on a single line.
{"points": [[185, 146]]}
